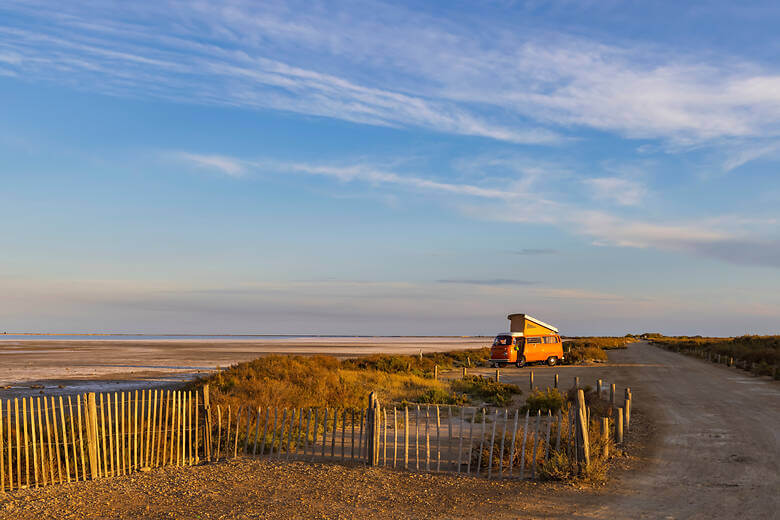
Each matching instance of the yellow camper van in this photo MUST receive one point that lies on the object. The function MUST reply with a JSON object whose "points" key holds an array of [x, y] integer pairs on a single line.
{"points": [[528, 341]]}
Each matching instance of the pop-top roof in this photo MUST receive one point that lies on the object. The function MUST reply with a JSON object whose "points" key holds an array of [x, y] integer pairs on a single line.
{"points": [[531, 318]]}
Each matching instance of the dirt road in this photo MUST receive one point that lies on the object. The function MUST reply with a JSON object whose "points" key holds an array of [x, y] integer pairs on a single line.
{"points": [[715, 450]]}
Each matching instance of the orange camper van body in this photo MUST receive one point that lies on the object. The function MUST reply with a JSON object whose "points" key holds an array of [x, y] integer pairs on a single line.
{"points": [[528, 341]]}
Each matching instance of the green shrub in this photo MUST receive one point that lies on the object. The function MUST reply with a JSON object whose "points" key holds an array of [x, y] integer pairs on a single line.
{"points": [[548, 400], [486, 389]]}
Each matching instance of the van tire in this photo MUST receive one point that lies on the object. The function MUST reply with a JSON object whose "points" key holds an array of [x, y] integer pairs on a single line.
{"points": [[552, 361], [520, 362]]}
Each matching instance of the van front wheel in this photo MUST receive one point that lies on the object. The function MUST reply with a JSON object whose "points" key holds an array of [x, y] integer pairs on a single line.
{"points": [[520, 362], [552, 361]]}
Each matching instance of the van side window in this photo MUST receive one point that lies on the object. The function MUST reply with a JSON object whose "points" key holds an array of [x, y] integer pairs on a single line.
{"points": [[550, 339], [533, 340]]}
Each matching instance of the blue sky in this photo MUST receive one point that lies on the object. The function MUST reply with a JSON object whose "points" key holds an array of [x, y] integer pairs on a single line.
{"points": [[389, 168]]}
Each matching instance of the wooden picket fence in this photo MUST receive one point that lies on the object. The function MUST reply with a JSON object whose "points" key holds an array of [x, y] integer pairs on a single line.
{"points": [[50, 440]]}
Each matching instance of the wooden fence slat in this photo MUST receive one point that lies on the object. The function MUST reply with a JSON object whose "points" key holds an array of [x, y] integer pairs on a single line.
{"points": [[292, 427], [162, 443], [219, 431], [2, 451], [343, 433], [227, 434], [406, 437], [492, 443], [417, 439], [257, 430], [360, 441], [73, 440], [34, 440], [514, 438], [558, 433], [120, 433], [324, 432], [248, 425], [501, 451], [45, 448], [44, 477], [308, 432], [314, 433], [273, 432], [57, 440], [471, 441], [18, 445], [265, 429], [103, 435], [9, 447], [438, 439], [547, 437], [333, 438], [536, 439], [395, 436], [450, 458], [481, 441], [26, 444], [460, 439], [110, 422], [117, 437], [522, 447], [135, 430], [427, 440], [64, 439], [238, 430]]}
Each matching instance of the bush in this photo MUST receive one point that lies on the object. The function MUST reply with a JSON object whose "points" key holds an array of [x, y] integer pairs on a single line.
{"points": [[486, 389], [744, 349], [581, 354], [548, 400]]}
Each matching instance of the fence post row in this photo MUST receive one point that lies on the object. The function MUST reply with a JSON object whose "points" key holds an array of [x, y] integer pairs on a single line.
{"points": [[123, 432]]}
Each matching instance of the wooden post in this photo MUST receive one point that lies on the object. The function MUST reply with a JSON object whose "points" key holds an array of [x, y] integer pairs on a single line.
{"points": [[498, 375], [10, 443], [598, 388], [219, 433], [627, 406], [512, 448], [436, 372], [576, 382], [619, 427], [522, 446], [406, 437], [531, 380], [556, 380], [582, 430], [605, 436], [612, 394], [464, 373]]}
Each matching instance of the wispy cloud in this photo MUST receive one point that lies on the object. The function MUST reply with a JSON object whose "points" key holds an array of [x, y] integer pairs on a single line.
{"points": [[226, 165], [491, 281], [362, 63], [624, 192], [533, 252]]}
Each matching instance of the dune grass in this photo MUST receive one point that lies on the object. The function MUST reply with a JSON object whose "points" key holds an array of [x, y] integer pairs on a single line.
{"points": [[325, 381], [758, 353]]}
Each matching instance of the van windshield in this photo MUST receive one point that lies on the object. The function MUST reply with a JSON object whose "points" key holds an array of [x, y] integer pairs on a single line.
{"points": [[502, 340]]}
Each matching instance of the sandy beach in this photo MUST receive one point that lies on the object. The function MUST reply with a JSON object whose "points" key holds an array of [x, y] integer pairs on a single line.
{"points": [[68, 366]]}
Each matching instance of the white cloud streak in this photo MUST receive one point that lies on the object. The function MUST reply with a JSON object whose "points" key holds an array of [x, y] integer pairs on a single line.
{"points": [[385, 65]]}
